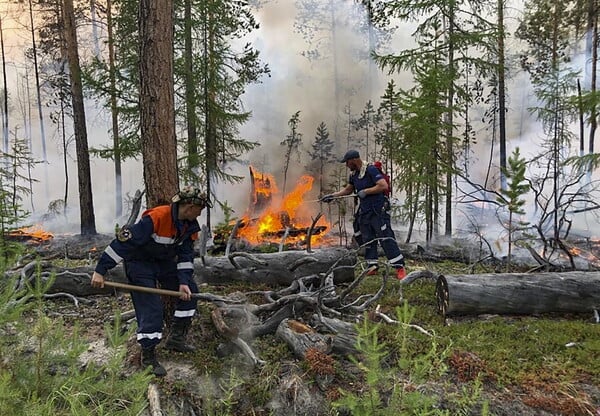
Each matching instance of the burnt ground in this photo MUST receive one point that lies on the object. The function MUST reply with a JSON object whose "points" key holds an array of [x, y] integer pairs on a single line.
{"points": [[194, 381]]}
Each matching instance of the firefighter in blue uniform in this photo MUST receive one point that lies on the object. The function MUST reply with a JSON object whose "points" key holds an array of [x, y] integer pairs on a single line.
{"points": [[372, 217], [158, 249]]}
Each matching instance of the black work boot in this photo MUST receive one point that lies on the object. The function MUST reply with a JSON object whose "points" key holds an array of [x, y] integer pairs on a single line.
{"points": [[149, 360], [179, 330]]}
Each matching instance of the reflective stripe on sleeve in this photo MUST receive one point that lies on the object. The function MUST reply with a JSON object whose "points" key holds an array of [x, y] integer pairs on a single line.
{"points": [[185, 265], [113, 254], [162, 240]]}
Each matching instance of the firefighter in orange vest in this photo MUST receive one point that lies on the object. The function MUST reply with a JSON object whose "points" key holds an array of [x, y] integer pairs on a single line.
{"points": [[158, 249]]}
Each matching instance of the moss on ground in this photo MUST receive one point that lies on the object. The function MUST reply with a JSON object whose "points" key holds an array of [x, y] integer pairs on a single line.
{"points": [[541, 360], [539, 363]]}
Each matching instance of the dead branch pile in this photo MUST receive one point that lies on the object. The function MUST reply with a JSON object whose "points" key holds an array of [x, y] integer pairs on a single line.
{"points": [[312, 313]]}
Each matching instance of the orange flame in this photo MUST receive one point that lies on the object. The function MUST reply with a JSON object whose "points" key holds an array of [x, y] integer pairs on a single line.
{"points": [[263, 187], [274, 214], [35, 233]]}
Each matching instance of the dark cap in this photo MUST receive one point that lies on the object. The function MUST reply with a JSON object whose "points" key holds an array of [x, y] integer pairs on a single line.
{"points": [[350, 154]]}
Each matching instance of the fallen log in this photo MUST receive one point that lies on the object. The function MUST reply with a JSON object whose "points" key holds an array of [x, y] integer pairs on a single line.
{"points": [[280, 268], [518, 293]]}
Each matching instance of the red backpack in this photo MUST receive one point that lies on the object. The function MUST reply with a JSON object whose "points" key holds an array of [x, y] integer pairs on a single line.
{"points": [[378, 165]]}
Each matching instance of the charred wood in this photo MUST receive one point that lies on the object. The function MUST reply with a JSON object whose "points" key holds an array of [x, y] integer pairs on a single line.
{"points": [[311, 231], [518, 293], [277, 268], [232, 237], [301, 338], [228, 322], [269, 326], [135, 207], [343, 333]]}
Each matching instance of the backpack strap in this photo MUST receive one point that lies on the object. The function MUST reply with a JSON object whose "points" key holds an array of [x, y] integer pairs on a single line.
{"points": [[385, 194], [370, 175]]}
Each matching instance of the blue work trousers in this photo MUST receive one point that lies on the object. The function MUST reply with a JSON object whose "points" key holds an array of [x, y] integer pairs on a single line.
{"points": [[375, 225], [148, 306]]}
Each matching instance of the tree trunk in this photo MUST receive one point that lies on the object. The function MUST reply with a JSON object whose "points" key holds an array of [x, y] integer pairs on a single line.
{"points": [[518, 293], [86, 204], [38, 87], [210, 105], [501, 93], [5, 145], [449, 194], [114, 112], [157, 108], [591, 59], [190, 97]]}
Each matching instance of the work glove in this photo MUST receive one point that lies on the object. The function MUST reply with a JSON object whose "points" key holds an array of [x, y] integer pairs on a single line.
{"points": [[327, 198], [362, 194]]}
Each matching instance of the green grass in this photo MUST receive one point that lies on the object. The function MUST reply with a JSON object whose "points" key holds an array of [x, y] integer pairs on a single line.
{"points": [[473, 359], [40, 370], [514, 347], [470, 359], [557, 351]]}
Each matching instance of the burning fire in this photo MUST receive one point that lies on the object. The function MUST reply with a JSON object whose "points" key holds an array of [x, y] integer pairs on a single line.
{"points": [[271, 216], [34, 233]]}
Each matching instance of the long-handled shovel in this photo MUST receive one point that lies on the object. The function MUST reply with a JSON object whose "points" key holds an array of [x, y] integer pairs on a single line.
{"points": [[202, 296]]}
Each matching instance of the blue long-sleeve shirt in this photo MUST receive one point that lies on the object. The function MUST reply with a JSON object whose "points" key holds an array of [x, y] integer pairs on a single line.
{"points": [[157, 237]]}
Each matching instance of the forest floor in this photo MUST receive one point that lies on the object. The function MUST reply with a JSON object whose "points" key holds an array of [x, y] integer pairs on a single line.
{"points": [[497, 365]]}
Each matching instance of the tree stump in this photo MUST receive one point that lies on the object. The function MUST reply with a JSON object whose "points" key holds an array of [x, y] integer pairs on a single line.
{"points": [[301, 338], [518, 293]]}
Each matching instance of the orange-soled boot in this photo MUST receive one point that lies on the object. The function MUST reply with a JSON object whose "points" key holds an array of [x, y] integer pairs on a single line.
{"points": [[400, 273], [372, 272]]}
